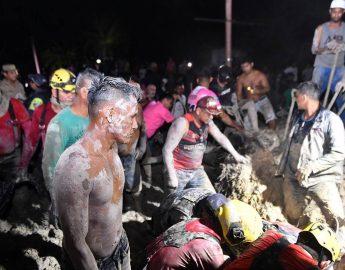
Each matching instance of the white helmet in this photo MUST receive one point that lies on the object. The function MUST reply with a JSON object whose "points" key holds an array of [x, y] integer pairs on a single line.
{"points": [[338, 4]]}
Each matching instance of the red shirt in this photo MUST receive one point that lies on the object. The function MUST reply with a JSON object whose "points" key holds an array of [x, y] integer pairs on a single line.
{"points": [[8, 140], [196, 254], [36, 132], [292, 257], [189, 153]]}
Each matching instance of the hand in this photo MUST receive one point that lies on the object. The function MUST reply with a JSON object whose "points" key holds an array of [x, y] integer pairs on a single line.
{"points": [[172, 182], [340, 86], [241, 159], [22, 175], [303, 174]]}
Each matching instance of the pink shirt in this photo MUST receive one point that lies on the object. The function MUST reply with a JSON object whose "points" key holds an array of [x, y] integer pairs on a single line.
{"points": [[155, 114]]}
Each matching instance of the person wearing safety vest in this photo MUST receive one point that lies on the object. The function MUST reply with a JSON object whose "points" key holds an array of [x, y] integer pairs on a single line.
{"points": [[316, 248]]}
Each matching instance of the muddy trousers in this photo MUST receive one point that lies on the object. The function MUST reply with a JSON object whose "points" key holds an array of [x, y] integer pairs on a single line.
{"points": [[118, 260], [196, 178], [320, 202]]}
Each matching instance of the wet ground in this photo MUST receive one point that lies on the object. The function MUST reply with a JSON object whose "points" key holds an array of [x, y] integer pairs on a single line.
{"points": [[26, 242]]}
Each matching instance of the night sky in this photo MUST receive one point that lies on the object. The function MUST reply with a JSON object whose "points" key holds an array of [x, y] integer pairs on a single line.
{"points": [[280, 32]]}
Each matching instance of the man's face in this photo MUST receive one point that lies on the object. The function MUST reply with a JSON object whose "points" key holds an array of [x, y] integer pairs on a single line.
{"points": [[11, 75], [300, 100], [179, 89], [167, 103], [247, 67], [151, 91], [204, 116], [336, 14], [64, 96], [123, 121]]}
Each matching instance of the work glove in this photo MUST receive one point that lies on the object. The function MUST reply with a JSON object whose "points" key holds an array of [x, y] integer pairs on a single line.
{"points": [[303, 174]]}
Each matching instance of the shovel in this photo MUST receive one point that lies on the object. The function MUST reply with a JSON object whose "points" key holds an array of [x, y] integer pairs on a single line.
{"points": [[293, 100]]}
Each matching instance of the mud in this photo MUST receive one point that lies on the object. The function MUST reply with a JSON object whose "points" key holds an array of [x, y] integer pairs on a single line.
{"points": [[27, 242]]}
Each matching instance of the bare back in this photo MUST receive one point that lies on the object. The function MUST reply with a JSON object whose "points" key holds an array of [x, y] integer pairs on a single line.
{"points": [[252, 86], [89, 190]]}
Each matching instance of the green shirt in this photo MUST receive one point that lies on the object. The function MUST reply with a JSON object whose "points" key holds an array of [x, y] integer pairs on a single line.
{"points": [[63, 131]]}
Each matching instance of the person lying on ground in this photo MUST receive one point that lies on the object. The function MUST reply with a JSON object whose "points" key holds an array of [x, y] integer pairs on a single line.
{"points": [[315, 248], [196, 243]]}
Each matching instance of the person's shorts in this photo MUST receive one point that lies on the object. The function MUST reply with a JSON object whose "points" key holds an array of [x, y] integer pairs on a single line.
{"points": [[264, 106]]}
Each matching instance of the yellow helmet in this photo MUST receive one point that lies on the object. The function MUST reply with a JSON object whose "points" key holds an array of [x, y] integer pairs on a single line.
{"points": [[63, 80], [240, 222], [325, 237]]}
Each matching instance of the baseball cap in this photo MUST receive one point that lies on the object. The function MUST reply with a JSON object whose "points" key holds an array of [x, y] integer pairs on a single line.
{"points": [[8, 67]]}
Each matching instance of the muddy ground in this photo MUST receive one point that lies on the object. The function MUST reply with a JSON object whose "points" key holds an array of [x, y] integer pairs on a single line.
{"points": [[26, 243]]}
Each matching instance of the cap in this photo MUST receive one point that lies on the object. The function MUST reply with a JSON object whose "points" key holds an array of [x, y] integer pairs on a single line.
{"points": [[338, 4], [9, 67], [38, 79], [224, 73], [210, 104]]}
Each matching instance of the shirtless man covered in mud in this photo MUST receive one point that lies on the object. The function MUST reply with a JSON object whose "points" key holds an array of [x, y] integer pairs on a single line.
{"points": [[251, 89], [89, 180]]}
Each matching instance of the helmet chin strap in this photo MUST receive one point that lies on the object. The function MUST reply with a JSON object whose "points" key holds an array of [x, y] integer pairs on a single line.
{"points": [[62, 105]]}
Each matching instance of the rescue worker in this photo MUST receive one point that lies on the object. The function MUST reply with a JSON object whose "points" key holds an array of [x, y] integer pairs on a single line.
{"points": [[70, 123], [41, 95], [316, 248], [40, 119], [180, 206], [204, 80], [328, 48], [10, 85], [186, 143], [196, 243], [14, 121], [312, 162]]}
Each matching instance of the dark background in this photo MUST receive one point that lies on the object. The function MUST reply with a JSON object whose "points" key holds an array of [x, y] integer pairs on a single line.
{"points": [[78, 32]]}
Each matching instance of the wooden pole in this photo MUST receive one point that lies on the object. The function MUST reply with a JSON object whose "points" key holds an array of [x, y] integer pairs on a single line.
{"points": [[228, 32]]}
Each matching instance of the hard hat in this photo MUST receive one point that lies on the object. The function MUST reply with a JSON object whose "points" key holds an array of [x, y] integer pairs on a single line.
{"points": [[63, 80], [210, 104], [224, 74], [198, 93], [240, 222], [338, 4], [38, 79], [216, 200], [325, 237]]}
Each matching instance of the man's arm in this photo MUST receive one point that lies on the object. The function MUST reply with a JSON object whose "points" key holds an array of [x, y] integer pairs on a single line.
{"points": [[175, 134], [72, 187], [53, 148], [239, 87], [226, 119], [315, 48], [225, 143], [141, 147]]}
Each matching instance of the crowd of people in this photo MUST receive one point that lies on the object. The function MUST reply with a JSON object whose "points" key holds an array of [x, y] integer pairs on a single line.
{"points": [[90, 139]]}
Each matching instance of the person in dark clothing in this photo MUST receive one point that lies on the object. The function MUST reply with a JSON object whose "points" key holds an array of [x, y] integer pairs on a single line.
{"points": [[40, 94]]}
